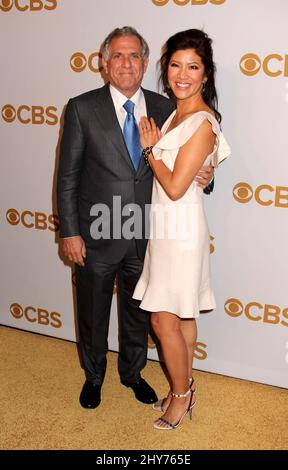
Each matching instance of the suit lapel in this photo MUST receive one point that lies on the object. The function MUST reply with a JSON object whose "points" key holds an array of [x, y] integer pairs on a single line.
{"points": [[107, 119], [152, 109]]}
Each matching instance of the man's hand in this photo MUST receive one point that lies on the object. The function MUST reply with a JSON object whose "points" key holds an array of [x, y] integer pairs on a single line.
{"points": [[74, 249], [204, 176]]}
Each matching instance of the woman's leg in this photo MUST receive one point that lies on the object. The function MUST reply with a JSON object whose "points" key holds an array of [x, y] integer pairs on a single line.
{"points": [[189, 332], [167, 327]]}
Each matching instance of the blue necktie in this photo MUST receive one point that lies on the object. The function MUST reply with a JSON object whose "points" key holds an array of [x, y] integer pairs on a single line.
{"points": [[131, 134]]}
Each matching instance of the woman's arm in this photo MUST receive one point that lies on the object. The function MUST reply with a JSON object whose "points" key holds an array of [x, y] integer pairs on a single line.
{"points": [[189, 160]]}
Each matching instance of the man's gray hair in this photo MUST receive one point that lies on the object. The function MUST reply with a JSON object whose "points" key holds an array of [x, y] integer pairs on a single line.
{"points": [[120, 32]]}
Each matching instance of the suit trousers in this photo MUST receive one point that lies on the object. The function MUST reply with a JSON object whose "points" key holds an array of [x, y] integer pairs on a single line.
{"points": [[94, 288]]}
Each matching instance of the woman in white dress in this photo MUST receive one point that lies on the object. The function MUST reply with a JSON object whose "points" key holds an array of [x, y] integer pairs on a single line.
{"points": [[175, 282]]}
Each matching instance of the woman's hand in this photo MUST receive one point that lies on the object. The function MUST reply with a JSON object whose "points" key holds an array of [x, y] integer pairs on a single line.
{"points": [[149, 132]]}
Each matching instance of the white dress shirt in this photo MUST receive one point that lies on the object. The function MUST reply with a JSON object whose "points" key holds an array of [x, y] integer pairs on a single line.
{"points": [[119, 100]]}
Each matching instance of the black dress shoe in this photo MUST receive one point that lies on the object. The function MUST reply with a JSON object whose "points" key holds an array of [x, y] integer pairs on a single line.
{"points": [[90, 396], [143, 391]]}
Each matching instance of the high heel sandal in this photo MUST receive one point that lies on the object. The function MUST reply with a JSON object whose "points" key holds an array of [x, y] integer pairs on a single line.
{"points": [[160, 404], [169, 426]]}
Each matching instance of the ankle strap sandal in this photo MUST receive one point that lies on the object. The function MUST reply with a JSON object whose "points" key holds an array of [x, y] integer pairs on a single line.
{"points": [[181, 395]]}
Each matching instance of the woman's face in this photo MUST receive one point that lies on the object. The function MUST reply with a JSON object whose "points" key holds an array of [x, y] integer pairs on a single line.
{"points": [[186, 74]]}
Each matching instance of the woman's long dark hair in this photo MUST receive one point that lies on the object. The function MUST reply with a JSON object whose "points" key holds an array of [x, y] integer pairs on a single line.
{"points": [[202, 44]]}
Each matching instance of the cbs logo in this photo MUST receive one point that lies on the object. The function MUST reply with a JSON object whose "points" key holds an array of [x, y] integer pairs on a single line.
{"points": [[28, 5], [265, 195], [79, 62], [255, 311], [37, 220], [272, 65], [36, 315], [182, 3], [30, 114]]}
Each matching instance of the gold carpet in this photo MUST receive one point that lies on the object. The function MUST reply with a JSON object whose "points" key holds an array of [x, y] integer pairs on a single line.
{"points": [[40, 384]]}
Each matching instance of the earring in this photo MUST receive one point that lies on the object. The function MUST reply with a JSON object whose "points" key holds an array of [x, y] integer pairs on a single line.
{"points": [[203, 88]]}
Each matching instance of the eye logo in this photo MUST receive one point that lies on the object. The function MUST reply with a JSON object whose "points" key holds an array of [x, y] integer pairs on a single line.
{"points": [[243, 192], [233, 307], [8, 113], [250, 64], [16, 310], [13, 216], [79, 62], [6, 5]]}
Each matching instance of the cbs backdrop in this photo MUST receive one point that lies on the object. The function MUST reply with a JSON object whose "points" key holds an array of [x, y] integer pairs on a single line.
{"points": [[50, 52]]}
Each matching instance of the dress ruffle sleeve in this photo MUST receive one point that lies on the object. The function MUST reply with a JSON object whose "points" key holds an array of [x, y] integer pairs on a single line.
{"points": [[182, 133]]}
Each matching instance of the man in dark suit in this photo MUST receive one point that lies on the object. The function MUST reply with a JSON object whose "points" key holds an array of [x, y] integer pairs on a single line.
{"points": [[95, 167]]}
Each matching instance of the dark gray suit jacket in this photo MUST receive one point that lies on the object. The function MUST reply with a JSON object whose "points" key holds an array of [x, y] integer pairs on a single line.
{"points": [[95, 166]]}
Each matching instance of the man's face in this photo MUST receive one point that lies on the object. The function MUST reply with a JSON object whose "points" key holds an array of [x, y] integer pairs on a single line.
{"points": [[125, 66]]}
